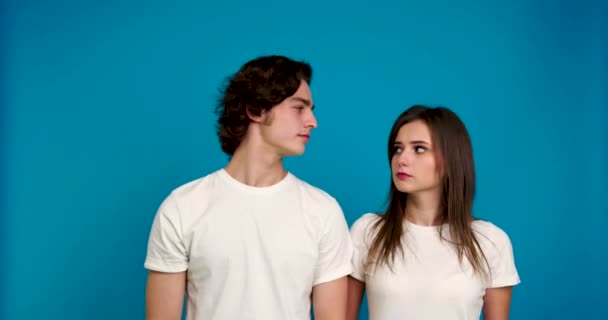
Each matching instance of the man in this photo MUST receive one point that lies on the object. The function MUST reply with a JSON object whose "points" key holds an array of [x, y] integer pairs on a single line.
{"points": [[251, 240]]}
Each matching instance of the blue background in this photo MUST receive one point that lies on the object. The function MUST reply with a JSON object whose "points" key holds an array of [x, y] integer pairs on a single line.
{"points": [[107, 106]]}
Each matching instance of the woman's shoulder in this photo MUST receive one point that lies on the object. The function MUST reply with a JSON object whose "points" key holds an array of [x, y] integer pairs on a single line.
{"points": [[367, 218], [363, 226], [490, 232]]}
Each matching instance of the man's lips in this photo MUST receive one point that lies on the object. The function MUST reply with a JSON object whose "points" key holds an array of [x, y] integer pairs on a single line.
{"points": [[305, 136]]}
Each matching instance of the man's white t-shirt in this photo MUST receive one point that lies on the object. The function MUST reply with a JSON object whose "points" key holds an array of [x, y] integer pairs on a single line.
{"points": [[428, 281], [250, 252]]}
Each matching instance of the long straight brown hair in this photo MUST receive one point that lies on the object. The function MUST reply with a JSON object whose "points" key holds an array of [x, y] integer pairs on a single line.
{"points": [[455, 157]]}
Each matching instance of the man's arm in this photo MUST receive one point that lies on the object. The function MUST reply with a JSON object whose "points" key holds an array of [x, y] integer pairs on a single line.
{"points": [[496, 303], [165, 295], [329, 299], [356, 289]]}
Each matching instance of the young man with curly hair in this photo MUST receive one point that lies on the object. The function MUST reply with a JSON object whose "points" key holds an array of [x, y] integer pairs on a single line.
{"points": [[251, 240]]}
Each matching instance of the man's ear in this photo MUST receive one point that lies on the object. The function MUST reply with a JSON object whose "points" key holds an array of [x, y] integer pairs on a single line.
{"points": [[254, 118]]}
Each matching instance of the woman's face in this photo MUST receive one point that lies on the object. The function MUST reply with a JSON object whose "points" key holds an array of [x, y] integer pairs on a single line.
{"points": [[414, 163]]}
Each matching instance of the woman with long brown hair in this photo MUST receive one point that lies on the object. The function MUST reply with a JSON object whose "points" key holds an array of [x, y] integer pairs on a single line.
{"points": [[426, 257]]}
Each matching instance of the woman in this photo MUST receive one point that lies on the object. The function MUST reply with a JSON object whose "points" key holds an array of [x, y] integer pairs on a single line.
{"points": [[426, 257]]}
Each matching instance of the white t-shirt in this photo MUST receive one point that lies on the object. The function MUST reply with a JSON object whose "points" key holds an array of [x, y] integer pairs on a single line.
{"points": [[249, 252], [428, 281]]}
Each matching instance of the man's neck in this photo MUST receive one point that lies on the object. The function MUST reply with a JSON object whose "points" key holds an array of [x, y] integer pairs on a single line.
{"points": [[255, 167]]}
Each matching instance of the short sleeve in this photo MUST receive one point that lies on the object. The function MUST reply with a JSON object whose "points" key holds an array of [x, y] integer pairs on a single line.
{"points": [[359, 235], [166, 249], [501, 261], [335, 247]]}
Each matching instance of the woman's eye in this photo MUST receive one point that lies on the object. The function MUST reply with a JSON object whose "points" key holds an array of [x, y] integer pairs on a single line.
{"points": [[419, 149]]}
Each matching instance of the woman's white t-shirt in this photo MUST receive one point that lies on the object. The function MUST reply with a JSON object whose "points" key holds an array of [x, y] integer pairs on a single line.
{"points": [[428, 281]]}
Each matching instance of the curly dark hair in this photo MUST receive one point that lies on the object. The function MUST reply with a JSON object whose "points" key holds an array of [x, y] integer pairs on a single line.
{"points": [[260, 84]]}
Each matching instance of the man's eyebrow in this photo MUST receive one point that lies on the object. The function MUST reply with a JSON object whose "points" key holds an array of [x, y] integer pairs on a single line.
{"points": [[304, 101]]}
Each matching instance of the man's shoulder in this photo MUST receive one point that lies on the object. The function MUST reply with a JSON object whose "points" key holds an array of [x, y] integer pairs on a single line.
{"points": [[197, 187], [314, 193]]}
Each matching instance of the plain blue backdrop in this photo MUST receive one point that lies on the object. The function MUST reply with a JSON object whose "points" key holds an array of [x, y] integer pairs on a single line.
{"points": [[108, 105]]}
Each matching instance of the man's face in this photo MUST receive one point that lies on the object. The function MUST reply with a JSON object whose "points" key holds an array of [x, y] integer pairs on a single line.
{"points": [[286, 127]]}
